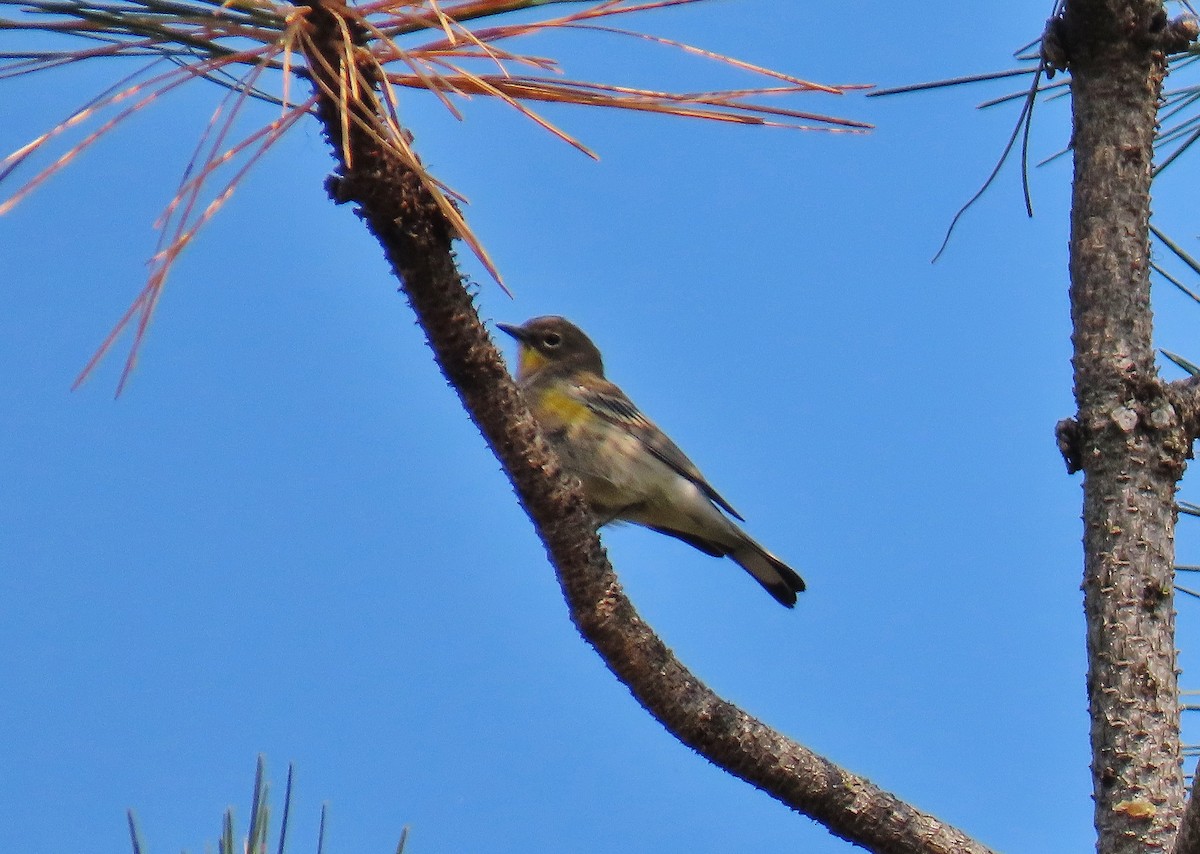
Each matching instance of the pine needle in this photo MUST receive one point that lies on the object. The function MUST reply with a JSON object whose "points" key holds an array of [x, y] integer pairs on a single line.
{"points": [[234, 43]]}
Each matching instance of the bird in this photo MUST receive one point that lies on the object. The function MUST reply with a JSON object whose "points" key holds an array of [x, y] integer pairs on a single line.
{"points": [[630, 470]]}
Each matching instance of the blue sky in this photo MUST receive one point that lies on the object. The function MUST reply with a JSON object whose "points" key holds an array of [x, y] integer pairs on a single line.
{"points": [[286, 537]]}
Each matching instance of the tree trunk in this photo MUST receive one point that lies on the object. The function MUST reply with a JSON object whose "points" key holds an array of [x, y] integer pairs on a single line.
{"points": [[1127, 436]]}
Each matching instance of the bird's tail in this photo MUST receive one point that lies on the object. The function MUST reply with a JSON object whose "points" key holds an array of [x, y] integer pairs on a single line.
{"points": [[779, 579]]}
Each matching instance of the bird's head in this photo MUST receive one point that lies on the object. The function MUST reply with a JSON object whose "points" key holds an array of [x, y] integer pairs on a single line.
{"points": [[553, 343]]}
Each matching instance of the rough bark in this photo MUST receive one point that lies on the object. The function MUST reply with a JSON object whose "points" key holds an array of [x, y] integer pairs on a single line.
{"points": [[417, 241], [1188, 840], [1127, 436], [1186, 397]]}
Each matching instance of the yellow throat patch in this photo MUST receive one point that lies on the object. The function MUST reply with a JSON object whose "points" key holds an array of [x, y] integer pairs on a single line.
{"points": [[529, 361]]}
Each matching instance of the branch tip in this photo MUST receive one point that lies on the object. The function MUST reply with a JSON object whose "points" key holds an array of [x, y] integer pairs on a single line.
{"points": [[1054, 51], [1067, 435]]}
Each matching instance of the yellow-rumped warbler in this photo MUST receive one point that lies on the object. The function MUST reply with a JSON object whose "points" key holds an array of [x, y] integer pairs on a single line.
{"points": [[630, 470]]}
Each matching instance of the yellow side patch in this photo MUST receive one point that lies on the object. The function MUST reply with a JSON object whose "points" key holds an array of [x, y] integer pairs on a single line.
{"points": [[556, 408]]}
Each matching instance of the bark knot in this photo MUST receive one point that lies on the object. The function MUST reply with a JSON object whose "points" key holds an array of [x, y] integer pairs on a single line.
{"points": [[1125, 418], [1161, 419]]}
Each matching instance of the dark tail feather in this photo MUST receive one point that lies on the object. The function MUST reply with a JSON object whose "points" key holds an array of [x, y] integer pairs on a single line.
{"points": [[779, 579], [693, 541]]}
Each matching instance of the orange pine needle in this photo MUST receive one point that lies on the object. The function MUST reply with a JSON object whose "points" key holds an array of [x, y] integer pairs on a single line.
{"points": [[210, 38]]}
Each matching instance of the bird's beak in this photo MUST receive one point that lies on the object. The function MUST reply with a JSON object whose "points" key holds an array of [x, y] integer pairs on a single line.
{"points": [[515, 331], [529, 360]]}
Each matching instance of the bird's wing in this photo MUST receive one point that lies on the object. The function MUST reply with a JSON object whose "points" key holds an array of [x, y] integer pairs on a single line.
{"points": [[610, 403]]}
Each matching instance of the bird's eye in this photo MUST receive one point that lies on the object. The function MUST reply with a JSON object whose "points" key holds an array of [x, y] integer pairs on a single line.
{"points": [[551, 339]]}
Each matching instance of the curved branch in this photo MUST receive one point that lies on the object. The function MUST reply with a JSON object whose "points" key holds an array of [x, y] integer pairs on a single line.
{"points": [[398, 209]]}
